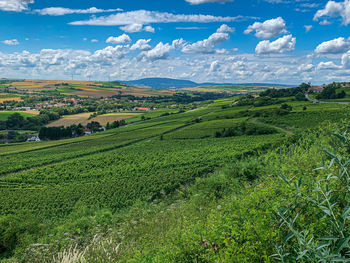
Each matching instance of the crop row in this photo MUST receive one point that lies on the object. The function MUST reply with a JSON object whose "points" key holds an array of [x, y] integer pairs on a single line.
{"points": [[118, 178]]}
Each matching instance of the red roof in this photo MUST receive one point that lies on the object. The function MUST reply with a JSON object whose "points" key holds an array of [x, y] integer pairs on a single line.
{"points": [[139, 108]]}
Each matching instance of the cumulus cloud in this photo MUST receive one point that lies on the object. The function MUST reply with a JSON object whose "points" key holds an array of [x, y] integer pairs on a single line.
{"points": [[335, 46], [133, 28], [148, 17], [206, 45], [141, 44], [268, 29], [329, 65], [345, 60], [335, 9], [119, 61], [179, 43], [161, 51], [198, 2], [305, 67], [214, 66], [15, 5], [10, 42], [61, 11], [225, 29], [122, 39], [149, 29], [279, 46]]}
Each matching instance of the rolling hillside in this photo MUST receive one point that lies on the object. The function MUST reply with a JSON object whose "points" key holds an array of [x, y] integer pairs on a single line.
{"points": [[86, 191]]}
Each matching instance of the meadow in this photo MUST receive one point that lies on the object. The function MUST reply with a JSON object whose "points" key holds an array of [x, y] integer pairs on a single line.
{"points": [[5, 114]]}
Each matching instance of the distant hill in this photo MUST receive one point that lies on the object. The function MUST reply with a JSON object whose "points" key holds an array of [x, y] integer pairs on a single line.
{"points": [[162, 83], [167, 83]]}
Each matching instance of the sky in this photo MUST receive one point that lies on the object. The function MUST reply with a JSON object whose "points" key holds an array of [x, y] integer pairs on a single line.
{"points": [[226, 41]]}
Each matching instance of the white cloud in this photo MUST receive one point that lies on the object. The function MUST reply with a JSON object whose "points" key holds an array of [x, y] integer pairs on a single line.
{"points": [[61, 11], [149, 29], [345, 60], [268, 29], [141, 44], [335, 46], [161, 51], [206, 46], [179, 43], [15, 5], [214, 66], [305, 67], [148, 17], [119, 61], [329, 65], [225, 29], [94, 40], [325, 23], [133, 28], [335, 9], [198, 2], [122, 39], [10, 42], [308, 28], [281, 45]]}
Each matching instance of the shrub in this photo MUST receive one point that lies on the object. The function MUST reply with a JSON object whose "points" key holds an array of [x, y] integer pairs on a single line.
{"points": [[317, 221]]}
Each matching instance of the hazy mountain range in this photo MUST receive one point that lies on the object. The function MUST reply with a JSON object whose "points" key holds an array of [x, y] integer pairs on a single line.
{"points": [[167, 83]]}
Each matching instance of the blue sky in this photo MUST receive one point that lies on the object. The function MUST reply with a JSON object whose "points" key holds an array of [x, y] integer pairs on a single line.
{"points": [[280, 41]]}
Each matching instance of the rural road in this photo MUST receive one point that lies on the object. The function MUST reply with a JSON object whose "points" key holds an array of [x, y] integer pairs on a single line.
{"points": [[319, 101]]}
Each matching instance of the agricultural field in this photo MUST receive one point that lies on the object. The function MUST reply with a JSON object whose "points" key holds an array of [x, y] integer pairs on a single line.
{"points": [[9, 97], [111, 117], [5, 114], [147, 160], [229, 88], [70, 120], [84, 118], [91, 89]]}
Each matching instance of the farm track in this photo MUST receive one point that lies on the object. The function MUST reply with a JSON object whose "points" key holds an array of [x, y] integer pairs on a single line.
{"points": [[255, 121]]}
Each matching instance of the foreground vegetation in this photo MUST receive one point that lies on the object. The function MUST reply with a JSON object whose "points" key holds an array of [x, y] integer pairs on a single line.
{"points": [[222, 183]]}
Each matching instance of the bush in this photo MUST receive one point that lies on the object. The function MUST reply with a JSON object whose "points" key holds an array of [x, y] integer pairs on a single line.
{"points": [[18, 230], [317, 220], [245, 128]]}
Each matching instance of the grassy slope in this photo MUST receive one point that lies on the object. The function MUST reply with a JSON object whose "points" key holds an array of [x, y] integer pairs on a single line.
{"points": [[113, 177]]}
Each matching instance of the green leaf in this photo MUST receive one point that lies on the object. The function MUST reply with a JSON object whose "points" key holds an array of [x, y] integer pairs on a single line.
{"points": [[342, 244], [346, 212], [329, 238], [322, 246], [288, 237], [284, 179]]}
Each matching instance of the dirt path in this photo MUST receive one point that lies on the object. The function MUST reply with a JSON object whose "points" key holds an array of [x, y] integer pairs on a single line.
{"points": [[255, 121], [319, 101]]}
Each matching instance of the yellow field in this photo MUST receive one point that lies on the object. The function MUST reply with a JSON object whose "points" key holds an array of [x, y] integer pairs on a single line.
{"points": [[86, 88], [70, 120], [111, 117], [86, 92], [83, 119], [11, 99]]}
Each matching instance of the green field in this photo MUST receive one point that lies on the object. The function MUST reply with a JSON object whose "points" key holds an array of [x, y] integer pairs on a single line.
{"points": [[5, 115], [77, 189]]}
